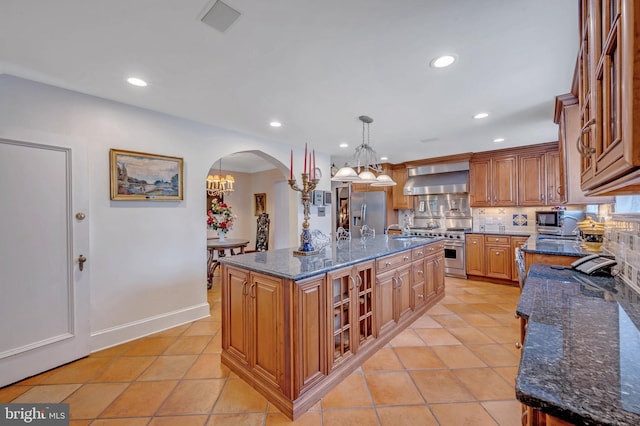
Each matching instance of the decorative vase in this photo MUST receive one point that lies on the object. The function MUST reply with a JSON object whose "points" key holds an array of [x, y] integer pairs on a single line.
{"points": [[221, 235]]}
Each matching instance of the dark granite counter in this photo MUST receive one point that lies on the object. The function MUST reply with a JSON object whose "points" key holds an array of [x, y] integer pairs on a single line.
{"points": [[581, 356], [559, 246], [282, 263]]}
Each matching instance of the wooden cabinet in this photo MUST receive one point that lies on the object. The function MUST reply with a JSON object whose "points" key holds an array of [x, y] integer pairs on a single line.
{"points": [[399, 200], [475, 254], [352, 301], [609, 97], [566, 116], [393, 289], [254, 323], [498, 256], [532, 184], [493, 181], [516, 242]]}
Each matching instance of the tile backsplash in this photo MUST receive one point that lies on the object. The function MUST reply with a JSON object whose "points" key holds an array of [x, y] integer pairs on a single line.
{"points": [[622, 240], [504, 219]]}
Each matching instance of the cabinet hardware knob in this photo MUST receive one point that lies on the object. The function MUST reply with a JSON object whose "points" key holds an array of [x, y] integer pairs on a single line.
{"points": [[584, 150], [518, 345], [497, 253], [420, 253], [515, 314], [81, 260], [387, 264], [420, 296]]}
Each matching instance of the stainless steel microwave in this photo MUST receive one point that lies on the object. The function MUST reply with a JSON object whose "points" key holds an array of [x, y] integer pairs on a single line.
{"points": [[550, 222]]}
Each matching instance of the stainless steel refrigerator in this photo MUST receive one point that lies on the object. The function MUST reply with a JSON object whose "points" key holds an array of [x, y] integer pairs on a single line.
{"points": [[368, 208]]}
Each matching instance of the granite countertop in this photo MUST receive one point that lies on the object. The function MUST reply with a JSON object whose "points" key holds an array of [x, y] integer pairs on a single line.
{"points": [[581, 356], [282, 263], [559, 246]]}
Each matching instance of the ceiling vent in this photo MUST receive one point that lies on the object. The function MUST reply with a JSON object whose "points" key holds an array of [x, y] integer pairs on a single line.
{"points": [[220, 16]]}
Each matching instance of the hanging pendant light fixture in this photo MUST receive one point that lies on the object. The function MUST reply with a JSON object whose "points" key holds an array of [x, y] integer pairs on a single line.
{"points": [[220, 184], [365, 162]]}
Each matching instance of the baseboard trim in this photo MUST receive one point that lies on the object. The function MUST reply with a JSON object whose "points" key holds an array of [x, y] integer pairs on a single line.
{"points": [[113, 336]]}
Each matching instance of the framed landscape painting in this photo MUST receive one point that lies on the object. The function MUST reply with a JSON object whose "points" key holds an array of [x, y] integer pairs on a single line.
{"points": [[141, 176]]}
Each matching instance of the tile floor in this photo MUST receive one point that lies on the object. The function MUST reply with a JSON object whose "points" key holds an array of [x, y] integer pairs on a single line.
{"points": [[455, 365]]}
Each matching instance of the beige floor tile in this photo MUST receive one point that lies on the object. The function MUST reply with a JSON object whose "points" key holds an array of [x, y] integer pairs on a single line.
{"points": [[172, 332], [470, 335], [502, 334], [169, 367], [407, 337], [309, 418], [140, 399], [90, 400], [438, 386], [9, 393], [192, 397], [495, 355], [507, 373], [458, 308], [124, 369], [47, 393], [425, 321], [458, 357], [480, 320], [489, 308], [383, 359], [406, 415], [473, 298], [506, 413], [450, 299], [350, 417], [437, 337], [115, 351], [203, 328], [214, 346], [80, 422], [469, 413], [439, 309], [151, 346], [179, 420], [393, 388], [188, 345], [352, 392], [452, 320], [35, 380], [208, 366], [237, 419], [238, 397], [80, 371], [137, 421], [418, 358], [485, 384]]}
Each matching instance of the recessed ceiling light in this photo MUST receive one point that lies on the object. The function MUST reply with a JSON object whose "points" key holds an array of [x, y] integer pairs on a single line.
{"points": [[498, 140], [344, 145], [384, 158], [136, 82], [481, 115], [275, 124], [442, 61]]}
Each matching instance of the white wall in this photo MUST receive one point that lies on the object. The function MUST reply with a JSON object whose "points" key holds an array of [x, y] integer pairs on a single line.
{"points": [[147, 259]]}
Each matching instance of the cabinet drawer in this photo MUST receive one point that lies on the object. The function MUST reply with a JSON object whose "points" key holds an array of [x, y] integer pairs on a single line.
{"points": [[434, 247], [418, 253], [392, 262], [497, 239]]}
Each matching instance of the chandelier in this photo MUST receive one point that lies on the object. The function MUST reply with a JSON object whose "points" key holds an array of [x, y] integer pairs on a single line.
{"points": [[220, 184], [365, 161]]}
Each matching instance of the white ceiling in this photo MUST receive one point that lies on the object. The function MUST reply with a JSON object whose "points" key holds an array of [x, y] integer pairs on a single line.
{"points": [[315, 66]]}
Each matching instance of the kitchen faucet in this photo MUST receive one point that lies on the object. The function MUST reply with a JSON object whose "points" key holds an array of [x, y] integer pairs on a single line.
{"points": [[394, 225]]}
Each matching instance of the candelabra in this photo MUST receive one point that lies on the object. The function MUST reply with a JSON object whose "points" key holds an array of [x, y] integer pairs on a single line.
{"points": [[308, 185]]}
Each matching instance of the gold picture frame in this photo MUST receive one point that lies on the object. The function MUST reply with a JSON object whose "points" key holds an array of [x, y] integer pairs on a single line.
{"points": [[137, 176], [259, 203]]}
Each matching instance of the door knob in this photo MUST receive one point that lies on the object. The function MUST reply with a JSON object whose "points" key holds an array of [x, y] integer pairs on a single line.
{"points": [[81, 260]]}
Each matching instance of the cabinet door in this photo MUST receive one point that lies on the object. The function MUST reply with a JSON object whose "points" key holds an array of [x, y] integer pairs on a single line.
{"points": [[516, 242], [475, 254], [385, 288], [586, 96], [403, 293], [504, 180], [400, 201], [235, 308], [419, 290], [267, 328], [480, 183], [310, 328], [531, 185], [553, 178], [438, 273], [498, 261], [341, 285], [364, 294]]}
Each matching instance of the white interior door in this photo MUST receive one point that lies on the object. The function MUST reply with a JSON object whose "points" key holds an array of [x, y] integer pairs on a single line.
{"points": [[44, 297]]}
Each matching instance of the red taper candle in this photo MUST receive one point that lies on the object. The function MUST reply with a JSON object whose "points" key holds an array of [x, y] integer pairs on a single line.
{"points": [[291, 166], [305, 158]]}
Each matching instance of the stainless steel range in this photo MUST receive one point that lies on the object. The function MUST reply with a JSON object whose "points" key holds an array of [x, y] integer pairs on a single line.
{"points": [[454, 248]]}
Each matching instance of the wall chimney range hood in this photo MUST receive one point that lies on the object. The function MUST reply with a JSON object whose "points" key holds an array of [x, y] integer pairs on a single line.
{"points": [[438, 179]]}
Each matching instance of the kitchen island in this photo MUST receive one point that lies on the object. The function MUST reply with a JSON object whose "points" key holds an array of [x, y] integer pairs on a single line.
{"points": [[295, 326], [581, 354]]}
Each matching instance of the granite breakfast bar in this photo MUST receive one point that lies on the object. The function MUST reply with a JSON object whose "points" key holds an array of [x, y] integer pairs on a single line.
{"points": [[293, 327], [580, 359]]}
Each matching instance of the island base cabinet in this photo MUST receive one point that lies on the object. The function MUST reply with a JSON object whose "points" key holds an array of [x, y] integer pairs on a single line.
{"points": [[253, 326]]}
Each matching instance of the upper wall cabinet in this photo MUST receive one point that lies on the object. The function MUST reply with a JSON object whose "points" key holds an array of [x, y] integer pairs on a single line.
{"points": [[608, 91], [493, 181]]}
